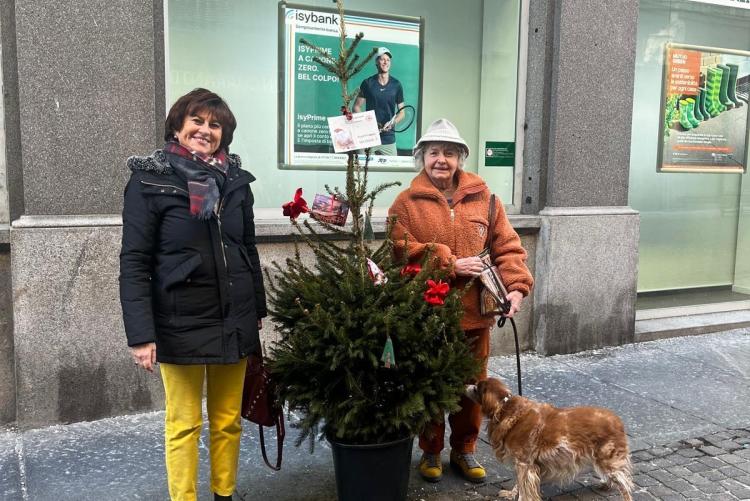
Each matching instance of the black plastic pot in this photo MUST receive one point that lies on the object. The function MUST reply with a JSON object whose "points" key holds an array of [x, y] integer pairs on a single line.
{"points": [[373, 472]]}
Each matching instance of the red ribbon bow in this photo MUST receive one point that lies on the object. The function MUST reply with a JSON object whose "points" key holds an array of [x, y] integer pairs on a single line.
{"points": [[436, 292], [345, 111], [411, 269], [296, 206]]}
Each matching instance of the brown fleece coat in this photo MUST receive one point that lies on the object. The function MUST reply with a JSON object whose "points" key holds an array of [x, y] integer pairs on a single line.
{"points": [[424, 219]]}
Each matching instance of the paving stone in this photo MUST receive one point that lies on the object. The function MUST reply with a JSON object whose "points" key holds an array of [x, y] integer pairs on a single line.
{"points": [[551, 490], [661, 491], [644, 467], [693, 442], [643, 480], [713, 475], [693, 494], [712, 462], [697, 480], [644, 455], [587, 494], [642, 496], [732, 471], [678, 485], [680, 471], [722, 497], [731, 459], [729, 445], [712, 488], [667, 461], [712, 450], [663, 476], [737, 489], [716, 438], [698, 467], [660, 451], [692, 453], [679, 460]]}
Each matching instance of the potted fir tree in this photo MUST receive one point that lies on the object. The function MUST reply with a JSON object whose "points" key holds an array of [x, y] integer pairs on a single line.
{"points": [[371, 348]]}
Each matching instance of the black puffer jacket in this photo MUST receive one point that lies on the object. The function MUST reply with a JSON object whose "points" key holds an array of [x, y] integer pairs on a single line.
{"points": [[194, 287]]}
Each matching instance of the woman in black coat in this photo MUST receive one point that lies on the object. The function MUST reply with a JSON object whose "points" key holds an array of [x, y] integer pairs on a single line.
{"points": [[191, 287]]}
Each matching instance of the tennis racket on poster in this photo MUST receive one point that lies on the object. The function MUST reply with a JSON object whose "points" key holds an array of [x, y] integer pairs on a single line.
{"points": [[408, 113]]}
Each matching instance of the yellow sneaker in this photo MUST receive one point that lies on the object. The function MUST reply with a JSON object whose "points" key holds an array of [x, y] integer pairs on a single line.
{"points": [[468, 466], [430, 467]]}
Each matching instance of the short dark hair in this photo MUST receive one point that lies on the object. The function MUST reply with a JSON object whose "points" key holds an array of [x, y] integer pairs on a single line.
{"points": [[197, 101]]}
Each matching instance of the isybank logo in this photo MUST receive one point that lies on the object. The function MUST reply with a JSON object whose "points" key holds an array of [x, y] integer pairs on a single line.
{"points": [[315, 18]]}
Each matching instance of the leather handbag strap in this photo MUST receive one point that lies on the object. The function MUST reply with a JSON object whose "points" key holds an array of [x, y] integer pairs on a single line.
{"points": [[491, 225], [280, 432]]}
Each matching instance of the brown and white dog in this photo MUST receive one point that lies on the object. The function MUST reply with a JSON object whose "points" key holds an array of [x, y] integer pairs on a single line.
{"points": [[544, 443]]}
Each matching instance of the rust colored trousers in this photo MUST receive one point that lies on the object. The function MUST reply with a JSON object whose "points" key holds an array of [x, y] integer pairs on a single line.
{"points": [[466, 422]]}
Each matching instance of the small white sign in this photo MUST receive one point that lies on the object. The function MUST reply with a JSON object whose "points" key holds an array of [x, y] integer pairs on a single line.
{"points": [[358, 133]]}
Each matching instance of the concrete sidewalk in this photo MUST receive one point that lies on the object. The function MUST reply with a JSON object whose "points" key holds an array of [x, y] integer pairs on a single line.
{"points": [[685, 403]]}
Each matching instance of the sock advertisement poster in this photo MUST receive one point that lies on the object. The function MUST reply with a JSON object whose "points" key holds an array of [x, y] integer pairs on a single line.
{"points": [[704, 115], [309, 93]]}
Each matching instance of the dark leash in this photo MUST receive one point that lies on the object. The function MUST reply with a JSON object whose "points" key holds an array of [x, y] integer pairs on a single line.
{"points": [[501, 323]]}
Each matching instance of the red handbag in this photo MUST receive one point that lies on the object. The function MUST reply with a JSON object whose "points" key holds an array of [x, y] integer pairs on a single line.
{"points": [[260, 405]]}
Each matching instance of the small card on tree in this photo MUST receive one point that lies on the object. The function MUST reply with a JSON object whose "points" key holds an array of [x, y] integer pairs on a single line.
{"points": [[329, 209], [358, 133]]}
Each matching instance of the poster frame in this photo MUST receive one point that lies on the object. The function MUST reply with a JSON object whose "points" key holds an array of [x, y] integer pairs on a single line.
{"points": [[662, 111], [282, 97]]}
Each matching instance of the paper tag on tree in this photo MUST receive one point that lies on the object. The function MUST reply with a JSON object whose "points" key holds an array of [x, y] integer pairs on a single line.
{"points": [[329, 209], [356, 134], [389, 356], [376, 275]]}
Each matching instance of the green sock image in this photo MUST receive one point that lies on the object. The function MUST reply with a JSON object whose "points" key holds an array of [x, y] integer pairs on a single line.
{"points": [[723, 97], [691, 112], [702, 103], [684, 119], [732, 88], [713, 87]]}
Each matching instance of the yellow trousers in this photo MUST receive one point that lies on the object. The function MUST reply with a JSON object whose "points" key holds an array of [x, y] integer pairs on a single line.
{"points": [[183, 386]]}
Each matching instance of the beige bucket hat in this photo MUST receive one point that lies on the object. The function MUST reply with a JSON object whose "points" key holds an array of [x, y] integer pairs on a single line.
{"points": [[443, 131]]}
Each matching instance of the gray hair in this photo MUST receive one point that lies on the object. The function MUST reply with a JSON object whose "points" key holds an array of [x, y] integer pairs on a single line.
{"points": [[419, 153]]}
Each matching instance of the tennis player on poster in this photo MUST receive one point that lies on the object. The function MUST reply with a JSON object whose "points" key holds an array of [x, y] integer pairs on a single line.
{"points": [[384, 94]]}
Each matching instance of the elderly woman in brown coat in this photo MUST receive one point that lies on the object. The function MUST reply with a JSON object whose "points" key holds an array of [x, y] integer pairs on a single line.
{"points": [[446, 209]]}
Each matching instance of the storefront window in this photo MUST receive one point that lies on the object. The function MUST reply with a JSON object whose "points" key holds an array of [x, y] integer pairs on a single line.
{"points": [[461, 64], [686, 169]]}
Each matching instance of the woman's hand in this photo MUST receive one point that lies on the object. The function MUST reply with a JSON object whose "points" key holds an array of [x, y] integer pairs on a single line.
{"points": [[144, 355], [515, 298], [468, 266]]}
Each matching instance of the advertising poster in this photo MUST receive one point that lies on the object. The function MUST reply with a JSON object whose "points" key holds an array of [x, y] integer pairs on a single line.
{"points": [[704, 117], [310, 95]]}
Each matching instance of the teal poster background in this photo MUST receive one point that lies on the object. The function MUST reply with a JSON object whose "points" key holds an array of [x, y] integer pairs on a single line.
{"points": [[317, 93]]}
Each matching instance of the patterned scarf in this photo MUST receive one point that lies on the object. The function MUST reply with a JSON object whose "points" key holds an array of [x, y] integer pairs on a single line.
{"points": [[200, 171]]}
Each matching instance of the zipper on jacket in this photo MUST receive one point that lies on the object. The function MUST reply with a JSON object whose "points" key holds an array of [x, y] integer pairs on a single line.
{"points": [[453, 215], [164, 186], [221, 235]]}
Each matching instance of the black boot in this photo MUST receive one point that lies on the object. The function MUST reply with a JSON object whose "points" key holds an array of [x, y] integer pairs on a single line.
{"points": [[222, 498]]}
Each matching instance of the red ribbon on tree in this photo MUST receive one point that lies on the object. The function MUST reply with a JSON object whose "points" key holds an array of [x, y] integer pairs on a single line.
{"points": [[411, 269], [296, 206], [345, 111], [436, 292]]}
